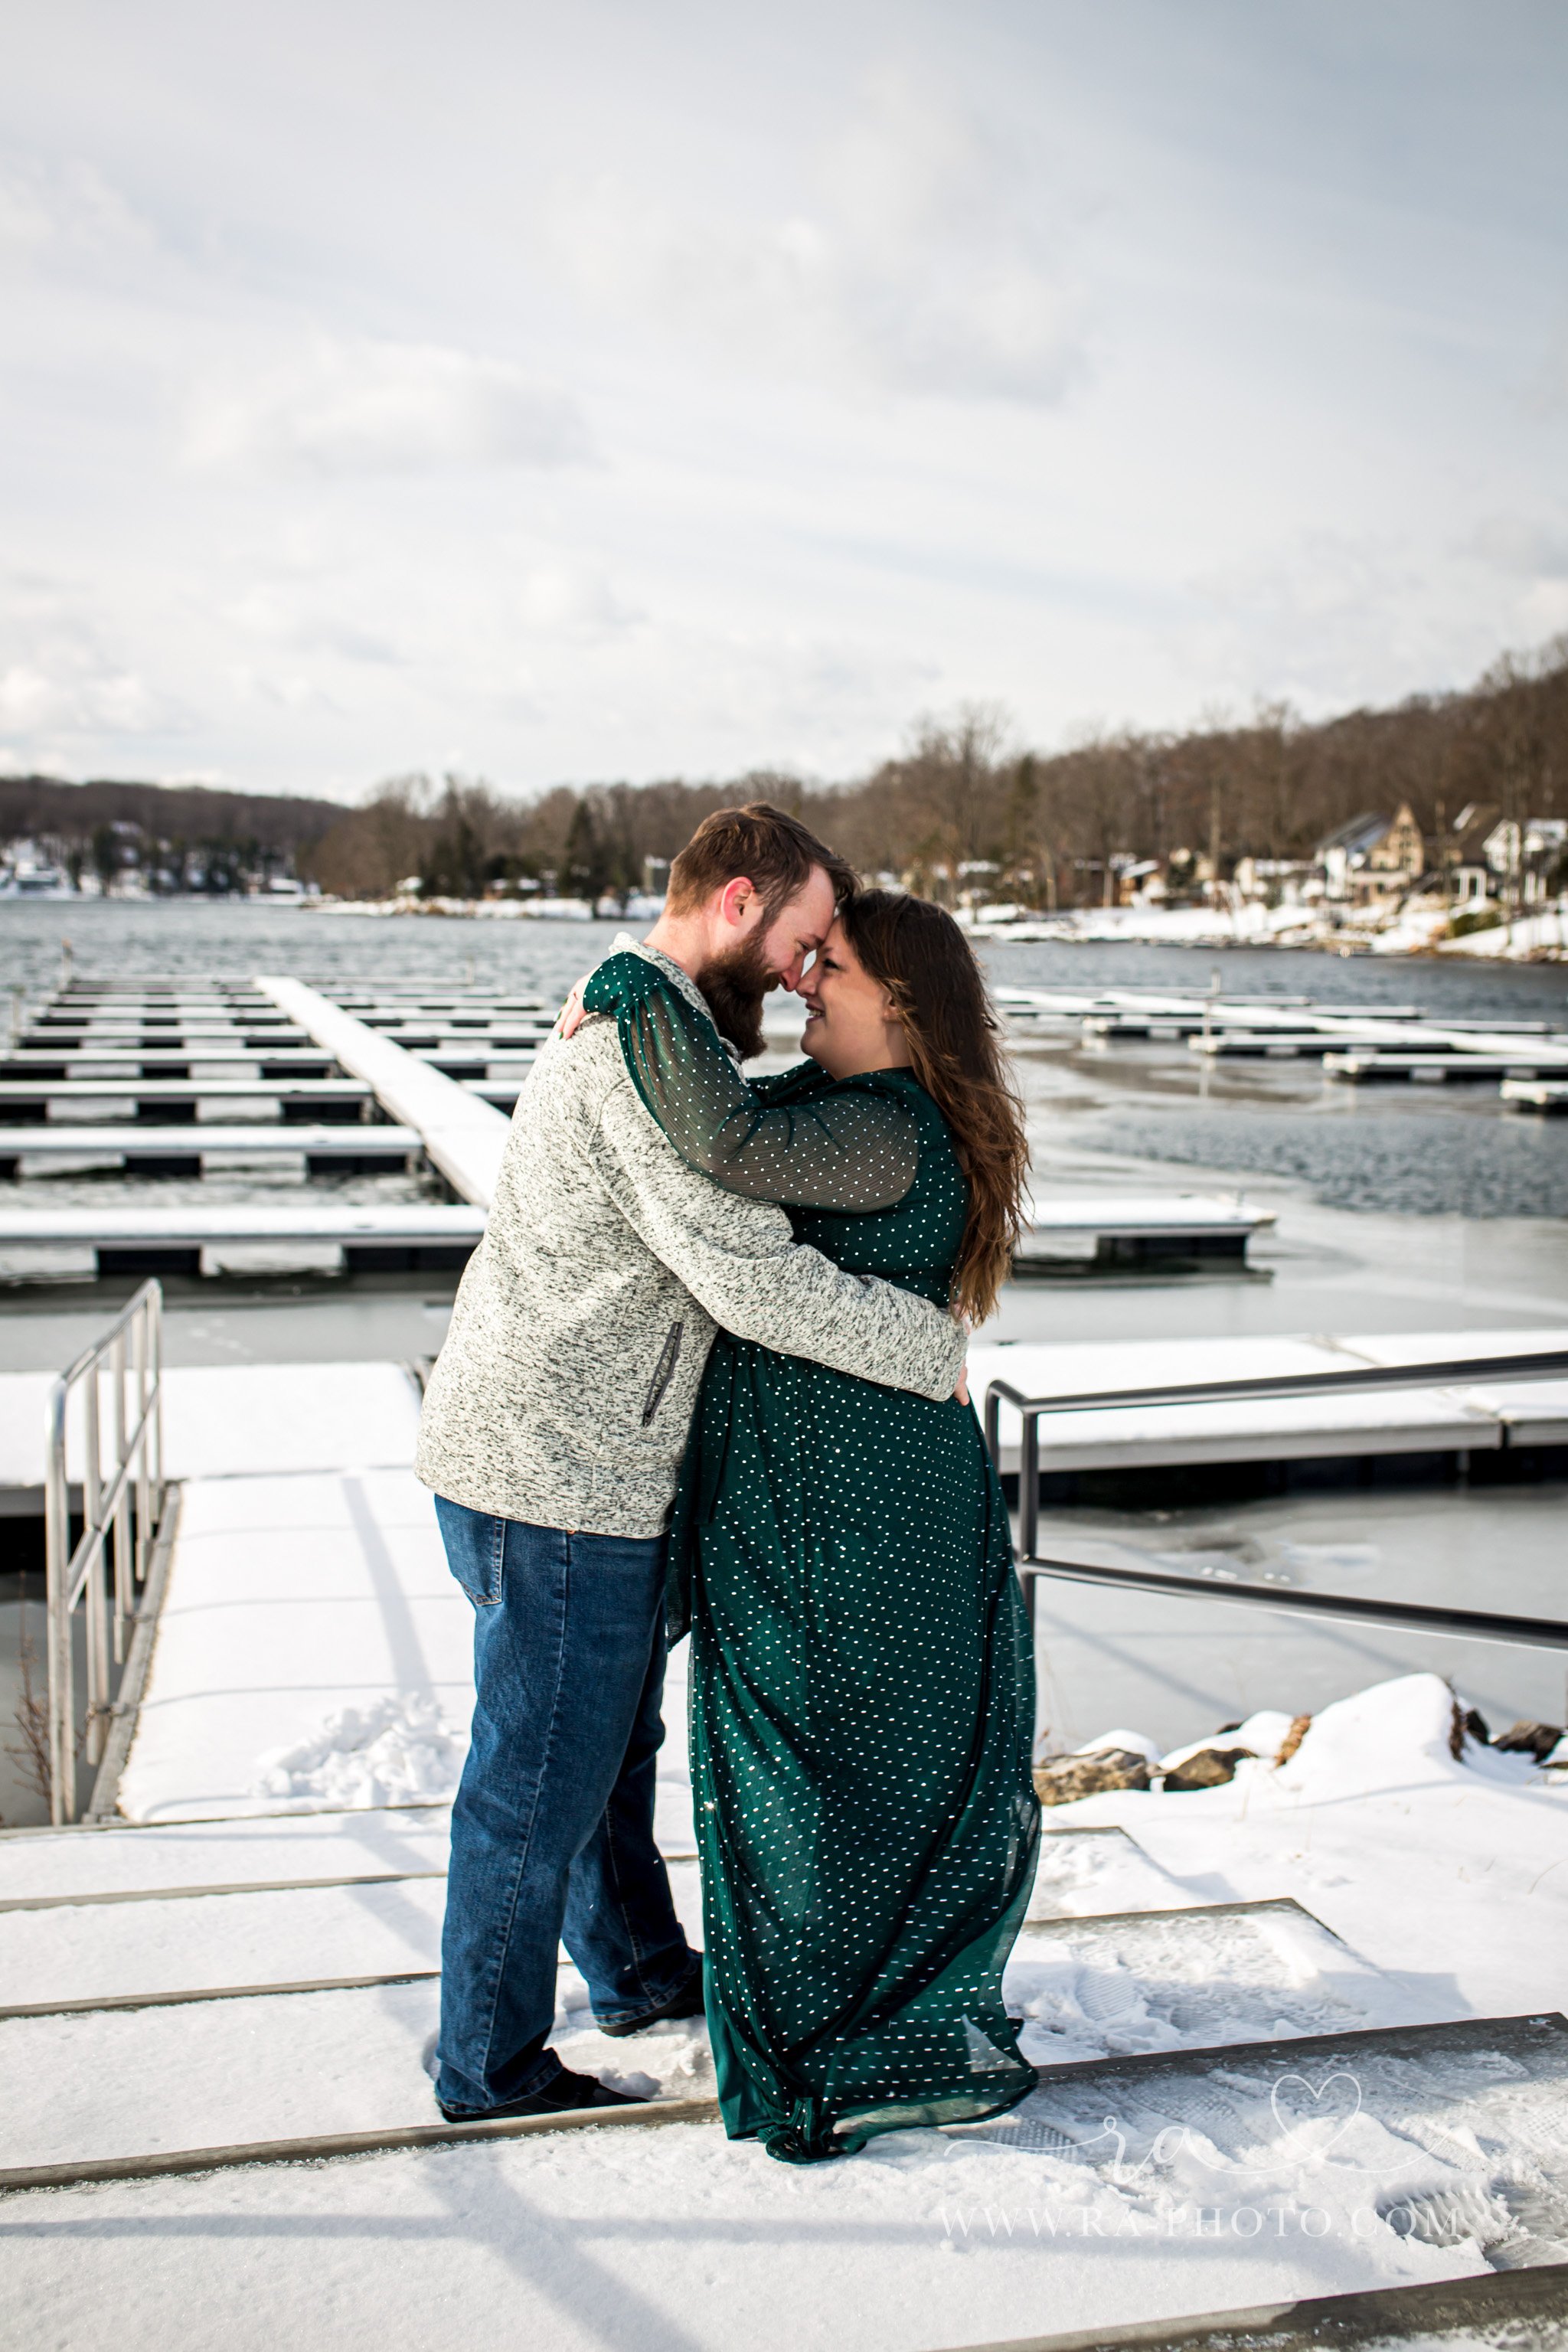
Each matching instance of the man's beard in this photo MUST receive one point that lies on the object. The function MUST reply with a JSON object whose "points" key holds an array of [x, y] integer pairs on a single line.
{"points": [[734, 986]]}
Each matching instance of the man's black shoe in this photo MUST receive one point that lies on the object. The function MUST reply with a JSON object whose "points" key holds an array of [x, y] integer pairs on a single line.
{"points": [[562, 2094], [687, 2002]]}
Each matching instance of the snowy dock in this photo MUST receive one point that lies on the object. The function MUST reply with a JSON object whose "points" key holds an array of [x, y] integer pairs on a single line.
{"points": [[346, 1099], [163, 1062], [1536, 1094], [1356, 1044], [1479, 1413], [463, 1136], [125, 1239], [233, 1973], [1470, 1065], [211, 1052], [187, 1150], [23, 1100], [194, 2008], [1116, 1231], [401, 1073]]}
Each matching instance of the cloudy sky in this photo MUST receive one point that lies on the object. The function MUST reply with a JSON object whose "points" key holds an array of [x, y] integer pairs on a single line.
{"points": [[567, 394]]}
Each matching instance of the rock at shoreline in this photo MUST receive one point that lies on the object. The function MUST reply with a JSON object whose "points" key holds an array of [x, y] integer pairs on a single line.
{"points": [[1205, 1768], [1300, 1726], [1063, 1779], [1537, 1739]]}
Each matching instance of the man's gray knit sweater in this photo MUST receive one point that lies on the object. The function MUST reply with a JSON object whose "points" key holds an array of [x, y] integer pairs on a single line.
{"points": [[564, 1392]]}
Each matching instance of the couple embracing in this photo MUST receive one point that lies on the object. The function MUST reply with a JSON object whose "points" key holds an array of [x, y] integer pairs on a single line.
{"points": [[705, 1372]]}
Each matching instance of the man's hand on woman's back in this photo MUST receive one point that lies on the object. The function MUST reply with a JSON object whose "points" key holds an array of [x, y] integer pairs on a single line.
{"points": [[570, 1017]]}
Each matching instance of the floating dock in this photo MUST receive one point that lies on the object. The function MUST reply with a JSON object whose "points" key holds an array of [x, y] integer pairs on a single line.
{"points": [[1536, 1094], [1476, 1415], [177, 1152], [1135, 1232], [189, 1079], [1356, 1043], [1471, 1065], [169, 1240]]}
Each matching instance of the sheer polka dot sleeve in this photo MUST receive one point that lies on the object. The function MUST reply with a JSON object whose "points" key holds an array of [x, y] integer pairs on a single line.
{"points": [[852, 1152]]}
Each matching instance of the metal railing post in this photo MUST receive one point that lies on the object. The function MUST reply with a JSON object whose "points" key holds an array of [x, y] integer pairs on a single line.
{"points": [[92, 1522], [123, 1593], [118, 1514], [141, 1328], [1482, 1624], [1030, 1486], [155, 1351], [57, 1604]]}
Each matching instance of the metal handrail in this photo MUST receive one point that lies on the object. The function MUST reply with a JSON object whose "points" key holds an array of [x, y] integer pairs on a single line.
{"points": [[121, 1506], [1470, 1372]]}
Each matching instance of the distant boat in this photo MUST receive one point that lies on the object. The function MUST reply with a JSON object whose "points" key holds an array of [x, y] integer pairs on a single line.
{"points": [[27, 877]]}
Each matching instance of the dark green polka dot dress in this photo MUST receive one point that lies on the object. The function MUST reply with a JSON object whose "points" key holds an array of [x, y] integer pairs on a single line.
{"points": [[862, 1686]]}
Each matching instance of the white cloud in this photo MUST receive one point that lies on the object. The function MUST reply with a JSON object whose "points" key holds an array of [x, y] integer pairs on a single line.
{"points": [[561, 600], [1543, 610], [920, 268], [1337, 618], [367, 407], [75, 696], [64, 209], [63, 680], [1524, 545]]}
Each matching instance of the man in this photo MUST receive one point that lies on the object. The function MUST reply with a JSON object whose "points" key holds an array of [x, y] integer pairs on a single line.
{"points": [[553, 1427]]}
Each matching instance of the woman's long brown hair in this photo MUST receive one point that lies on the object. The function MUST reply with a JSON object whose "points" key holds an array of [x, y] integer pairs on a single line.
{"points": [[917, 952]]}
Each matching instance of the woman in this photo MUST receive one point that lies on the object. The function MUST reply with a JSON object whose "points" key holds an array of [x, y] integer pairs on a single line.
{"points": [[862, 1686]]}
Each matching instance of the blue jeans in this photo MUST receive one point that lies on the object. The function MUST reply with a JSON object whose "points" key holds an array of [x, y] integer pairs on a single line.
{"points": [[553, 1827]]}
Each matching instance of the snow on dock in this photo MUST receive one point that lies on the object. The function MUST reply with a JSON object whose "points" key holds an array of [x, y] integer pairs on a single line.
{"points": [[1469, 1063], [1536, 1094], [463, 1134], [1123, 1229], [90, 1869], [213, 1061], [93, 1099], [123, 1238], [307, 2057], [313, 1650], [1160, 2168], [442, 1067], [219, 1997], [1356, 1044], [23, 1149], [1476, 1415], [304, 1612], [308, 1579]]}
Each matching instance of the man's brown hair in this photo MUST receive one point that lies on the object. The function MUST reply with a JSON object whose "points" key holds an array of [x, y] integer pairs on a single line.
{"points": [[760, 844]]}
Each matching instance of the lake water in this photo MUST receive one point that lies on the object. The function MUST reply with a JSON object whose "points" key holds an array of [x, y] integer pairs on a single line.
{"points": [[1450, 1151], [240, 936]]}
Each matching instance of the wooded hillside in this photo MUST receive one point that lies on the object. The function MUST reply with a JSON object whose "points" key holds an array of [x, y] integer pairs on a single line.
{"points": [[963, 794]]}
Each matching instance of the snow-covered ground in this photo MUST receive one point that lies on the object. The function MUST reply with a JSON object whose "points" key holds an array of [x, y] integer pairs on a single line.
{"points": [[302, 1732], [1162, 2183], [1543, 932]]}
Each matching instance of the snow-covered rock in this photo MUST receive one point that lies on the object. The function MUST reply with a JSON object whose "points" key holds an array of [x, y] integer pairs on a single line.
{"points": [[1130, 1743], [1263, 1734]]}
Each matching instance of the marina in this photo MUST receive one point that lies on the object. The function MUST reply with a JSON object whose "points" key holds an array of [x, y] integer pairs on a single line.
{"points": [[1024, 555], [222, 1962]]}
